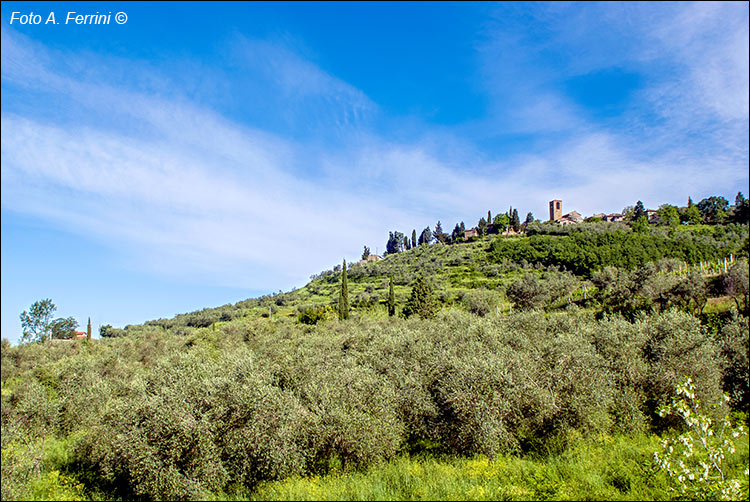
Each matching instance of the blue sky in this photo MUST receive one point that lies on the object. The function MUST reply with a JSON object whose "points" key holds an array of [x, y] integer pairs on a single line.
{"points": [[204, 153]]}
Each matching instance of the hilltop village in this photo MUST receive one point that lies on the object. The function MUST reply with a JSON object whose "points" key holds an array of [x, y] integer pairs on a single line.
{"points": [[711, 210]]}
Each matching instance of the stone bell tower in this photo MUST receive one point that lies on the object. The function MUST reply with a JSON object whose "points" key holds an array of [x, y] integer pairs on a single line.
{"points": [[555, 210]]}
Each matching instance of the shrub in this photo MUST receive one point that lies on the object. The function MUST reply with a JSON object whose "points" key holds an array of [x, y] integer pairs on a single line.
{"points": [[528, 292], [479, 302], [734, 347], [694, 460], [312, 315], [675, 346]]}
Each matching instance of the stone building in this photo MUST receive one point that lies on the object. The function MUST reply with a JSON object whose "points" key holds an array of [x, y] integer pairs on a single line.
{"points": [[555, 210]]}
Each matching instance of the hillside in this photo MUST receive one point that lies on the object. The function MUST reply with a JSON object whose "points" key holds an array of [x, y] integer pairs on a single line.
{"points": [[476, 275], [526, 373]]}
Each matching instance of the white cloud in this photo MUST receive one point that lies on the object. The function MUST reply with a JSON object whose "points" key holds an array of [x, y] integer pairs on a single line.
{"points": [[184, 190]]}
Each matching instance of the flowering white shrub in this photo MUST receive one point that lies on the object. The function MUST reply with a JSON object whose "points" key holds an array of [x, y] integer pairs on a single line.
{"points": [[694, 459]]}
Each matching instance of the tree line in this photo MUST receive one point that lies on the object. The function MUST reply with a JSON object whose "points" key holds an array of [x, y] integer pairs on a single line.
{"points": [[398, 242], [713, 210]]}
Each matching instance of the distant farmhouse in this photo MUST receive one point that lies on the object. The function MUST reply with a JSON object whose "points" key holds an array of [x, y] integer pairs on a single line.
{"points": [[471, 232], [370, 257]]}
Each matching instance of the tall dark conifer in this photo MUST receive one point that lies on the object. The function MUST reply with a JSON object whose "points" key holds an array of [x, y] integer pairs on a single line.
{"points": [[421, 302], [344, 299], [88, 330], [391, 300], [639, 210]]}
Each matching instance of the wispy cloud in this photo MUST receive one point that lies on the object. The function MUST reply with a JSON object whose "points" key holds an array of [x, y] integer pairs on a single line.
{"points": [[166, 171]]}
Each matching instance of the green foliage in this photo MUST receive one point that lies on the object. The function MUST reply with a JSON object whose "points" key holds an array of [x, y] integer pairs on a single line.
{"points": [[501, 222], [693, 215], [425, 237], [669, 215], [602, 468], [587, 249], [736, 284], [713, 209], [391, 298], [653, 287], [734, 347], [457, 235], [482, 226], [480, 301], [36, 322], [422, 301], [63, 328], [219, 401], [344, 295], [695, 460], [515, 222], [741, 209], [528, 292], [439, 235], [639, 212], [312, 315], [106, 331], [160, 416], [640, 225], [395, 243]]}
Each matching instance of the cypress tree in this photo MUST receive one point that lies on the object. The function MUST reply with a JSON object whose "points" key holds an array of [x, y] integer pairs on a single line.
{"points": [[457, 235], [391, 300], [413, 238], [482, 226], [421, 302], [515, 221], [639, 210], [344, 300], [88, 330]]}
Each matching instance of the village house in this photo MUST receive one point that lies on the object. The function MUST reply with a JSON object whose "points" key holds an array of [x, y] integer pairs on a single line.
{"points": [[370, 258], [570, 218], [79, 335], [472, 232], [555, 214], [614, 217]]}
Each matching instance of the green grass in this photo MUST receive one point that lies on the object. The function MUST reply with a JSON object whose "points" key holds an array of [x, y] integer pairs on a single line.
{"points": [[607, 468]]}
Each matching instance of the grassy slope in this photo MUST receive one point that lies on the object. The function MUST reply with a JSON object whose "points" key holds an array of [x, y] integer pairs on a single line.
{"points": [[454, 271], [605, 468]]}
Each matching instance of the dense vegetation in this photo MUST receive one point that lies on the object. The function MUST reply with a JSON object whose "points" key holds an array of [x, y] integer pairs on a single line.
{"points": [[164, 416], [507, 358]]}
